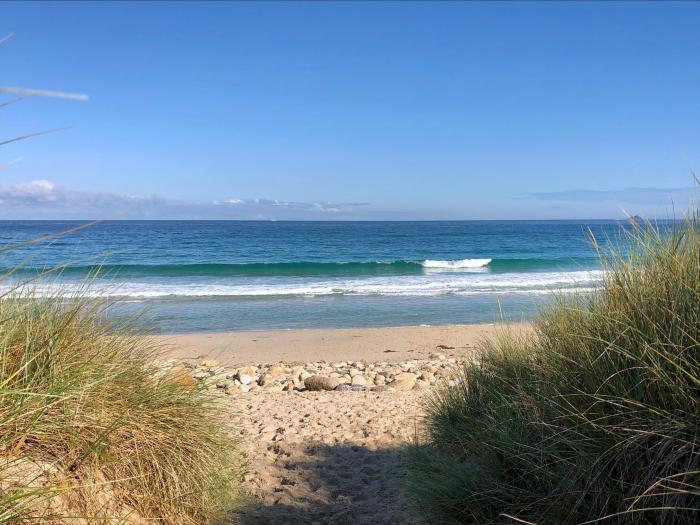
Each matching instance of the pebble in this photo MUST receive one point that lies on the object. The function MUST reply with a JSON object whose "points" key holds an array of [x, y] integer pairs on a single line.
{"points": [[341, 376], [358, 380], [316, 383], [404, 381]]}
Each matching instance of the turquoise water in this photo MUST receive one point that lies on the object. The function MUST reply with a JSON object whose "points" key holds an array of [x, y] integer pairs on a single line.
{"points": [[225, 275]]}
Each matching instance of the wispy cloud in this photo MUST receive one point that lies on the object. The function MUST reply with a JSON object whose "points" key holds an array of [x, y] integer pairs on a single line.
{"points": [[637, 196], [46, 199], [320, 206]]}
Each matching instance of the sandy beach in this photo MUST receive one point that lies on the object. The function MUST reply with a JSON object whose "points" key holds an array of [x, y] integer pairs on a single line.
{"points": [[328, 456], [333, 344]]}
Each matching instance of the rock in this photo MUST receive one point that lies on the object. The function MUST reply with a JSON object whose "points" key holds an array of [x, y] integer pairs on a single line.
{"points": [[276, 371], [247, 370], [210, 363], [428, 376], [200, 375], [244, 388], [339, 364], [404, 381], [265, 379], [245, 379], [382, 388], [357, 388], [317, 383], [359, 380], [343, 388], [182, 377]]}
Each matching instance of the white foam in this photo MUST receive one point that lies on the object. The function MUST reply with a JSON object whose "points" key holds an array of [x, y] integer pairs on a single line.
{"points": [[406, 285], [456, 265]]}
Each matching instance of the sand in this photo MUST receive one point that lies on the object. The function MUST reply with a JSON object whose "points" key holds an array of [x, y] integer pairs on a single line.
{"points": [[328, 457], [334, 344]]}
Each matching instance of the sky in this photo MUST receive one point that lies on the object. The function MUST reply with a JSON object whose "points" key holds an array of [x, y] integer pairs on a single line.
{"points": [[350, 111]]}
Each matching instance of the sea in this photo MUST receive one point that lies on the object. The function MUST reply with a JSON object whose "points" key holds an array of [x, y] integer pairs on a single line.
{"points": [[191, 276]]}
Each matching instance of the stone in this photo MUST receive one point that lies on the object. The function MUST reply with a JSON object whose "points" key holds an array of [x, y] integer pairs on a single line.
{"points": [[359, 380], [210, 363], [245, 379], [357, 388], [343, 388], [404, 381], [428, 376], [317, 383], [182, 377], [265, 379], [248, 370], [277, 371]]}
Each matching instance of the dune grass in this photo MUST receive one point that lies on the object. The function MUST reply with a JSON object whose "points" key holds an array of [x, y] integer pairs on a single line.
{"points": [[91, 427], [594, 417]]}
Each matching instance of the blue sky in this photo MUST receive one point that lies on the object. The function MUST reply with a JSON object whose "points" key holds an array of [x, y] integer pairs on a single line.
{"points": [[351, 110]]}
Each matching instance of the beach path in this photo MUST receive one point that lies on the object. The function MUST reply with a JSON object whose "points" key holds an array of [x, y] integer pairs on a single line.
{"points": [[328, 457]]}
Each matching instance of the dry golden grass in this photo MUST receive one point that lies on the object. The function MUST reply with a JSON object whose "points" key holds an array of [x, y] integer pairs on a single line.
{"points": [[91, 427]]}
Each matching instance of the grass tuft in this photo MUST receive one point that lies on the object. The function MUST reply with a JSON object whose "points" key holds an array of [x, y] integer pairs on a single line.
{"points": [[592, 418], [90, 426]]}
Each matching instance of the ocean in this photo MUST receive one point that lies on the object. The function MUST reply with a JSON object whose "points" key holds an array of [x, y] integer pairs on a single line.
{"points": [[188, 276]]}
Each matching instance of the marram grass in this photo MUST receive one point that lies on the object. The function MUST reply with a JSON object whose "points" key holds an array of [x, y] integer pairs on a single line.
{"points": [[91, 431], [592, 418]]}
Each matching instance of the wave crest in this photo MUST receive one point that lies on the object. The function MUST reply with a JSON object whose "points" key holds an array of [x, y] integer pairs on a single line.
{"points": [[456, 265]]}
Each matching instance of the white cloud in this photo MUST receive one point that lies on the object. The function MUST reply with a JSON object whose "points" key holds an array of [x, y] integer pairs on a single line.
{"points": [[44, 199], [318, 206], [34, 191]]}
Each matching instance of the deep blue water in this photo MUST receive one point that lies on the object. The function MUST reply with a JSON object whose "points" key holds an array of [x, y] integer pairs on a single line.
{"points": [[219, 275]]}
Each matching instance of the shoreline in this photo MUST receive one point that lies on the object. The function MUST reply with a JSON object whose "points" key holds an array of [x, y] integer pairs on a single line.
{"points": [[239, 348]]}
